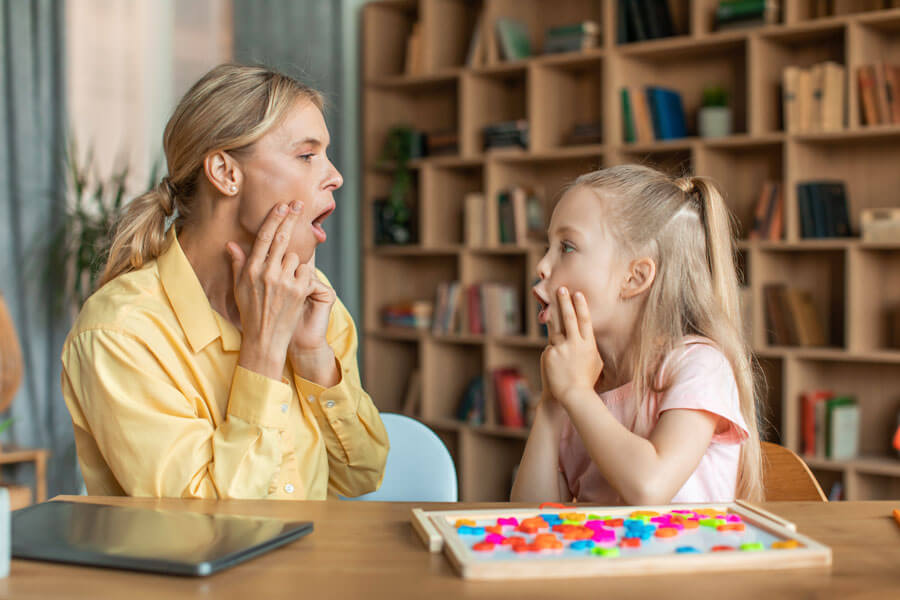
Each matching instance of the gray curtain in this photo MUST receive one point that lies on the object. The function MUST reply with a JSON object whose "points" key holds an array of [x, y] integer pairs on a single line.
{"points": [[304, 39], [31, 200]]}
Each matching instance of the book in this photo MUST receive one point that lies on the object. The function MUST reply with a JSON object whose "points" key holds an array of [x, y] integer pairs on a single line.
{"points": [[506, 218], [414, 57], [413, 396], [817, 96], [472, 405], [519, 196], [777, 330], [775, 229], [507, 397], [828, 208], [643, 116], [865, 76], [638, 30], [808, 421], [841, 428], [668, 113], [572, 38], [474, 221], [834, 99], [628, 128], [804, 208], [880, 224], [475, 56], [882, 94], [768, 216], [819, 411], [790, 83], [514, 39], [893, 77]]}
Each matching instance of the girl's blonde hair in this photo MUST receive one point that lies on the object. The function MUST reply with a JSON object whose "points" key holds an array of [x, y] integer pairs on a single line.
{"points": [[684, 225], [229, 108]]}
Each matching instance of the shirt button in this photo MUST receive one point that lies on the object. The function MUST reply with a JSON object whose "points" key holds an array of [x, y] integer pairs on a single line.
{"points": [[311, 398], [284, 407], [329, 404], [289, 488]]}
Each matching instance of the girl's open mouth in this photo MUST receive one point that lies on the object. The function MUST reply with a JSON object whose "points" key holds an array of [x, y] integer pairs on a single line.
{"points": [[544, 306]]}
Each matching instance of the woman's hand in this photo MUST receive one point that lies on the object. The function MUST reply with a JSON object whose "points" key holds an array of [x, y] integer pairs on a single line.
{"points": [[270, 292], [309, 352], [571, 363]]}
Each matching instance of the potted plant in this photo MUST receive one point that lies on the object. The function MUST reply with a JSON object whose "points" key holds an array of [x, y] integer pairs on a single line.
{"points": [[394, 215], [714, 117], [77, 249]]}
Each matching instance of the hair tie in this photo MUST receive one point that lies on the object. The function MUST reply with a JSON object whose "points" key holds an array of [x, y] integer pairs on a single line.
{"points": [[167, 198]]}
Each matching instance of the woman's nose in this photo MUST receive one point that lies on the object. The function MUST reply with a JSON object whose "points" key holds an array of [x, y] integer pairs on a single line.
{"points": [[334, 179]]}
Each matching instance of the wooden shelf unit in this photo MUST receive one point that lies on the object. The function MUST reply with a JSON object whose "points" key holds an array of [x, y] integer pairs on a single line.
{"points": [[854, 282]]}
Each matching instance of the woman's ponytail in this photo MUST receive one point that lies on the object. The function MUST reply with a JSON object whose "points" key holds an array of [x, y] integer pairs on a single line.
{"points": [[139, 234]]}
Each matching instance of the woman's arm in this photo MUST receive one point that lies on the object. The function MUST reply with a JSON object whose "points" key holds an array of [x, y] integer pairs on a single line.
{"points": [[355, 438], [157, 441]]}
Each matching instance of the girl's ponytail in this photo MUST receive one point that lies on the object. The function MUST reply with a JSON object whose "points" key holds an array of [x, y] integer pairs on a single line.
{"points": [[140, 231]]}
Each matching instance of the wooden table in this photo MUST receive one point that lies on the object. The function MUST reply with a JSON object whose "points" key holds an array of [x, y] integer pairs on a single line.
{"points": [[369, 550]]}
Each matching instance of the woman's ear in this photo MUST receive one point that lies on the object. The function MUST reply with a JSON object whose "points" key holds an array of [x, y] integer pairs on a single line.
{"points": [[223, 172], [640, 276]]}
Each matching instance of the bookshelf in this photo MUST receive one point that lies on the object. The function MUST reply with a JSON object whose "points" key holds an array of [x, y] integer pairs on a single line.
{"points": [[854, 282]]}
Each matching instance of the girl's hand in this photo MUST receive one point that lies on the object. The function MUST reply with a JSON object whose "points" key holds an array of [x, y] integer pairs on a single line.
{"points": [[269, 291], [571, 363]]}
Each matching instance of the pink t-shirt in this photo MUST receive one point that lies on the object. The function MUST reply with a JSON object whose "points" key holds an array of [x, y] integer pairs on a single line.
{"points": [[703, 380]]}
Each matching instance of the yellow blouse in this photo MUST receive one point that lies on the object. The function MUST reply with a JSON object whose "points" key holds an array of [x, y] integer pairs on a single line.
{"points": [[160, 407]]}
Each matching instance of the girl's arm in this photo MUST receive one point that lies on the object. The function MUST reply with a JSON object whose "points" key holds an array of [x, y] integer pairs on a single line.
{"points": [[538, 478], [643, 471]]}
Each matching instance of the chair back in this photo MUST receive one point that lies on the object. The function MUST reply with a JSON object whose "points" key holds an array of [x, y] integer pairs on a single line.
{"points": [[419, 468], [786, 477]]}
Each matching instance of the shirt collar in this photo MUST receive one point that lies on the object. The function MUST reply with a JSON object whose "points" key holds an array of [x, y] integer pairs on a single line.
{"points": [[201, 324]]}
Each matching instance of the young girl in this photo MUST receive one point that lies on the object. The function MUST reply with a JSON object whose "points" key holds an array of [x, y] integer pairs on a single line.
{"points": [[649, 391]]}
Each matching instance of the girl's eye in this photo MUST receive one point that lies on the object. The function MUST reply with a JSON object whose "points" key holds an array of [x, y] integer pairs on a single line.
{"points": [[306, 157], [567, 247]]}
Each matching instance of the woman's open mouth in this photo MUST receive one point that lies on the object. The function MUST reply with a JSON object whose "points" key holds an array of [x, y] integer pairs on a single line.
{"points": [[316, 223]]}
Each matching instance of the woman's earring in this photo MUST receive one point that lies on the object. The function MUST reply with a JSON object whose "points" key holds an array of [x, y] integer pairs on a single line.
{"points": [[233, 188]]}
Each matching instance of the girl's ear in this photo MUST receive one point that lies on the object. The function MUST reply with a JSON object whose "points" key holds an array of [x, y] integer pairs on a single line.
{"points": [[223, 172], [640, 276]]}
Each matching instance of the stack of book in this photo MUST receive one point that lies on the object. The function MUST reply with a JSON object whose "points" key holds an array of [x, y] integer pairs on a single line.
{"points": [[515, 216], [441, 143], [823, 209], [484, 308], [508, 134], [585, 133], [471, 408], [830, 425], [814, 98], [513, 39], [513, 396], [572, 38], [792, 318], [654, 113], [639, 20], [880, 225], [416, 314], [737, 14], [879, 93], [768, 220]]}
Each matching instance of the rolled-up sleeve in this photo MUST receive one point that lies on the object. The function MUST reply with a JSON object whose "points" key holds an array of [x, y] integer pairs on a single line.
{"points": [[355, 439], [155, 439]]}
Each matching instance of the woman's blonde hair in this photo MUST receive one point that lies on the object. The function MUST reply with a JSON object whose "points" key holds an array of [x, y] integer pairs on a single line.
{"points": [[684, 225], [229, 108]]}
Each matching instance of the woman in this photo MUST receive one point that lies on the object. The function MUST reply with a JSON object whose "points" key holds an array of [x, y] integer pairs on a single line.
{"points": [[215, 361]]}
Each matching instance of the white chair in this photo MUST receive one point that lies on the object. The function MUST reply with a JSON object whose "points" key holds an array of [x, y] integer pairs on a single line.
{"points": [[419, 468]]}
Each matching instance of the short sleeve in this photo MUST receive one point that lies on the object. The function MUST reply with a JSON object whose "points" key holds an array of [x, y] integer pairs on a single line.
{"points": [[703, 379]]}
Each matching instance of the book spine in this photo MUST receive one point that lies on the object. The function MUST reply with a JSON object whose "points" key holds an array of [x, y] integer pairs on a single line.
{"points": [[627, 118]]}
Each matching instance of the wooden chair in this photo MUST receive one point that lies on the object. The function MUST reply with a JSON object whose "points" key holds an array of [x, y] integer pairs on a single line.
{"points": [[786, 476]]}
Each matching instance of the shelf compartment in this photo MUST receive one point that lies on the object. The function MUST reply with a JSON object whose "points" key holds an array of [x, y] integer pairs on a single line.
{"points": [[526, 360], [820, 272], [488, 98], [676, 162], [386, 28], [391, 279], [443, 210], [487, 464], [877, 487], [874, 289], [447, 29], [500, 268], [378, 187], [447, 369], [867, 165], [772, 52], [740, 173], [771, 401], [562, 96], [388, 365], [876, 388], [798, 11], [431, 108]]}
